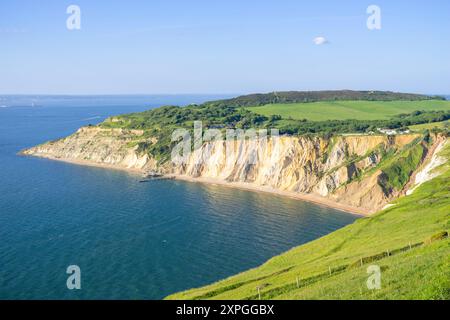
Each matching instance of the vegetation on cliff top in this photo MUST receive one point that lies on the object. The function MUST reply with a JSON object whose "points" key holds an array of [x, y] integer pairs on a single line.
{"points": [[409, 241], [432, 126], [379, 108], [314, 96], [161, 122]]}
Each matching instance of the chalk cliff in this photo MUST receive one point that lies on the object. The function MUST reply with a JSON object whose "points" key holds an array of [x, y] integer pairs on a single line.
{"points": [[346, 169]]}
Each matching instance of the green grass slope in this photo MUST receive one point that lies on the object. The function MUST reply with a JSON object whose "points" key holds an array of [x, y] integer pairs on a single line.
{"points": [[405, 241], [431, 126], [343, 110]]}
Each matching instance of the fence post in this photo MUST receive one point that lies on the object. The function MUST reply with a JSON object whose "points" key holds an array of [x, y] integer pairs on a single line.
{"points": [[410, 247], [298, 282], [361, 262], [259, 293], [329, 270]]}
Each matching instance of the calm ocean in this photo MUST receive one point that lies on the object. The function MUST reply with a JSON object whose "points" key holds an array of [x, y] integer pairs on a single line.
{"points": [[131, 240]]}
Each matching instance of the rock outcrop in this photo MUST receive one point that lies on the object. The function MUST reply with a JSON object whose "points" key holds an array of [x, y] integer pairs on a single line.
{"points": [[94, 145]]}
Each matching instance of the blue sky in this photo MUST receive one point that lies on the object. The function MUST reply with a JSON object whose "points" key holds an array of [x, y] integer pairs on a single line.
{"points": [[127, 47]]}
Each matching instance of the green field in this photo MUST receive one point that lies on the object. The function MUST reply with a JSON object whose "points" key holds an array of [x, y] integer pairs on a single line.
{"points": [[401, 240], [343, 110], [429, 126]]}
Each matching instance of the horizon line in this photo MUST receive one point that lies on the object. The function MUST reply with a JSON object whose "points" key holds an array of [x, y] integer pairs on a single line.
{"points": [[211, 93]]}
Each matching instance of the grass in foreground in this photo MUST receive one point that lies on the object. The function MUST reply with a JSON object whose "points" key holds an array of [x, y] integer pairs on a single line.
{"points": [[343, 110], [419, 272]]}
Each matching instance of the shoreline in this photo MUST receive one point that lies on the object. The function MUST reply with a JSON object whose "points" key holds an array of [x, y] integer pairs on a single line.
{"points": [[311, 198], [85, 163]]}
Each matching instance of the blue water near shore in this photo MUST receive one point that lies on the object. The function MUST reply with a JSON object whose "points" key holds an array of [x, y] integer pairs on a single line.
{"points": [[131, 240]]}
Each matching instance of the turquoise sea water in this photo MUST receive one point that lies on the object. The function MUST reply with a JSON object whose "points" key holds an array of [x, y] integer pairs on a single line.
{"points": [[131, 240]]}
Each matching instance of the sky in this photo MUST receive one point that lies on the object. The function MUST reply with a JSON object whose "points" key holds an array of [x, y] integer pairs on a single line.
{"points": [[170, 47]]}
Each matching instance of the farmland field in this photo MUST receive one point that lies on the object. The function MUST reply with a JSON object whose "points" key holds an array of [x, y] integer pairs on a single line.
{"points": [[343, 110]]}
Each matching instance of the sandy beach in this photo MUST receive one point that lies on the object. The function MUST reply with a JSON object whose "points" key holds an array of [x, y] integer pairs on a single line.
{"points": [[240, 185], [294, 195]]}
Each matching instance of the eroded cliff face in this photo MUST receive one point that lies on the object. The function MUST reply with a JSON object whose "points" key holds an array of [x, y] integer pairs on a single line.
{"points": [[98, 146], [344, 169], [337, 168]]}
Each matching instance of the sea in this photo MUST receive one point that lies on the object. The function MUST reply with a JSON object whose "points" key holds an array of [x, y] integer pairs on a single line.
{"points": [[130, 240]]}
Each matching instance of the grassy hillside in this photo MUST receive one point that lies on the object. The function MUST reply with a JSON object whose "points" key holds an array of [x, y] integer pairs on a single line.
{"points": [[260, 99], [430, 126], [343, 110], [407, 241]]}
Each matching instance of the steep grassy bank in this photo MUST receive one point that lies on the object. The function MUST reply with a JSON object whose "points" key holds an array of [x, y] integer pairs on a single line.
{"points": [[397, 239]]}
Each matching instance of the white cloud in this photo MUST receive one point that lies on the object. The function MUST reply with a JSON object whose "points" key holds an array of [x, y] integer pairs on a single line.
{"points": [[320, 40]]}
